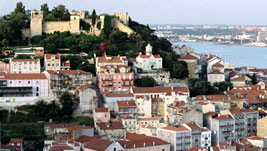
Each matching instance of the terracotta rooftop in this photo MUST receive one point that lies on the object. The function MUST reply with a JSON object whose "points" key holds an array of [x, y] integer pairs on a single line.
{"points": [[242, 78], [223, 117], [67, 72], [203, 103], [101, 109], [218, 65], [216, 72], [138, 140], [16, 140], [195, 148], [148, 119], [112, 125], [255, 138], [130, 103], [84, 138], [192, 126], [218, 97], [22, 76], [61, 125], [247, 110], [119, 95], [60, 148], [79, 127], [98, 144], [24, 60], [111, 59], [188, 57], [48, 56], [160, 89], [176, 128]]}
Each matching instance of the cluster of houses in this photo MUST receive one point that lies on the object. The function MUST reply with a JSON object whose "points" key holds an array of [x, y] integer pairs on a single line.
{"points": [[160, 118]]}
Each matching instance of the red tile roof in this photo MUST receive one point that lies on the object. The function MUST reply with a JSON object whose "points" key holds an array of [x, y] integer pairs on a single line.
{"points": [[247, 110], [176, 128], [216, 72], [48, 56], [215, 148], [188, 57], [148, 119], [192, 126], [126, 103], [24, 60], [203, 103], [119, 95], [101, 109], [204, 129], [84, 138], [98, 144], [22, 76], [160, 89], [218, 65], [112, 125], [61, 125], [60, 148], [242, 78], [79, 128], [67, 72], [16, 140], [111, 59], [255, 138], [195, 148], [138, 140], [223, 117]]}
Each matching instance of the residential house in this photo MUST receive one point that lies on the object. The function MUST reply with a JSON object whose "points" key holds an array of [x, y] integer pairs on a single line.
{"points": [[51, 129], [257, 141], [99, 144], [241, 81], [195, 133], [110, 61], [110, 129], [25, 66], [65, 65], [192, 66], [205, 107], [52, 62], [101, 115], [216, 76], [77, 131], [126, 108], [129, 124], [112, 98], [148, 62]]}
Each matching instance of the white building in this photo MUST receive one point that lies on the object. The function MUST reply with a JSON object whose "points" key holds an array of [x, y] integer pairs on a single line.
{"points": [[216, 76], [20, 89], [148, 62], [88, 100], [205, 137], [25, 66]]}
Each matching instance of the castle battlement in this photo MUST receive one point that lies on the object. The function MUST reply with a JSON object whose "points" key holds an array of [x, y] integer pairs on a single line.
{"points": [[58, 22]]}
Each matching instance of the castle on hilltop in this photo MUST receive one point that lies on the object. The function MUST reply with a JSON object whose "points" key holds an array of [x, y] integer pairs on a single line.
{"points": [[38, 25]]}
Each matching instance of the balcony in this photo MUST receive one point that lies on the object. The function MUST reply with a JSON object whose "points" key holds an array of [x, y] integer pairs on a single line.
{"points": [[15, 90], [107, 79]]}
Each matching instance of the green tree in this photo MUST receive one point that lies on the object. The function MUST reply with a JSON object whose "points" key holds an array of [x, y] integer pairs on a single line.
{"points": [[67, 105], [61, 13], [45, 9], [23, 57], [146, 81], [93, 17], [254, 79], [198, 87], [223, 86], [179, 70]]}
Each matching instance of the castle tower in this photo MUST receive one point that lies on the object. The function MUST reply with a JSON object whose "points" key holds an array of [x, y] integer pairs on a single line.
{"points": [[75, 22], [148, 49], [36, 25], [124, 17]]}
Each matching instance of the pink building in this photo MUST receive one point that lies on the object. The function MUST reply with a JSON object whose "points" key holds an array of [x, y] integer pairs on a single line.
{"points": [[101, 115], [4, 67], [115, 78], [25, 66], [16, 143]]}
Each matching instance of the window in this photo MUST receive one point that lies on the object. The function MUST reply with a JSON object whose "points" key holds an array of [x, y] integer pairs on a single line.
{"points": [[37, 81], [30, 62], [114, 149], [19, 81], [29, 82], [10, 82], [37, 88], [37, 94], [48, 64]]}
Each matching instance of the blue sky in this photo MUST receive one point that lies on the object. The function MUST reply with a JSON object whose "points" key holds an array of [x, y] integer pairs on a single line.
{"points": [[236, 12]]}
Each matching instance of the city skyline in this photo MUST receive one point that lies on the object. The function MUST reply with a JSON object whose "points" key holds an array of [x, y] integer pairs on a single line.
{"points": [[226, 12]]}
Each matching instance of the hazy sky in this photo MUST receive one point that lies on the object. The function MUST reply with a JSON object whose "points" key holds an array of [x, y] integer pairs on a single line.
{"points": [[239, 12]]}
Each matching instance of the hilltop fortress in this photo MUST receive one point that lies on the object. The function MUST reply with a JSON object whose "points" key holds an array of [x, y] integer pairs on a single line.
{"points": [[38, 25]]}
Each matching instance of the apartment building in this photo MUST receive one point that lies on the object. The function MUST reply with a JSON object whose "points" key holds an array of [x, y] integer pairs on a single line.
{"points": [[223, 128], [25, 66], [262, 127], [205, 137], [178, 136], [126, 108], [195, 133]]}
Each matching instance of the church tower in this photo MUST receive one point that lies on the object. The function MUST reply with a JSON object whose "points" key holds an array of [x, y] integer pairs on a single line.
{"points": [[148, 50], [36, 25]]}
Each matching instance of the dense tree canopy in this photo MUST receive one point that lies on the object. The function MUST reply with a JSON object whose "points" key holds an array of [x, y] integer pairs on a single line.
{"points": [[145, 82]]}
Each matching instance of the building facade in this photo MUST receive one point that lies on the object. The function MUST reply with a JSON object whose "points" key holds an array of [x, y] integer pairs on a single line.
{"points": [[52, 62], [25, 66]]}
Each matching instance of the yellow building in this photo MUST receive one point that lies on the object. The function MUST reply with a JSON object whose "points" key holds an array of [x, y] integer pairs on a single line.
{"points": [[262, 127], [113, 129], [52, 62]]}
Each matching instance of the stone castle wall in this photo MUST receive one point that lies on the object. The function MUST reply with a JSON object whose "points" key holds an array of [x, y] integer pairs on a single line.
{"points": [[52, 26], [116, 23]]}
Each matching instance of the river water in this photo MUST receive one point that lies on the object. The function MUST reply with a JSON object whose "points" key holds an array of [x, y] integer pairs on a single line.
{"points": [[235, 54]]}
